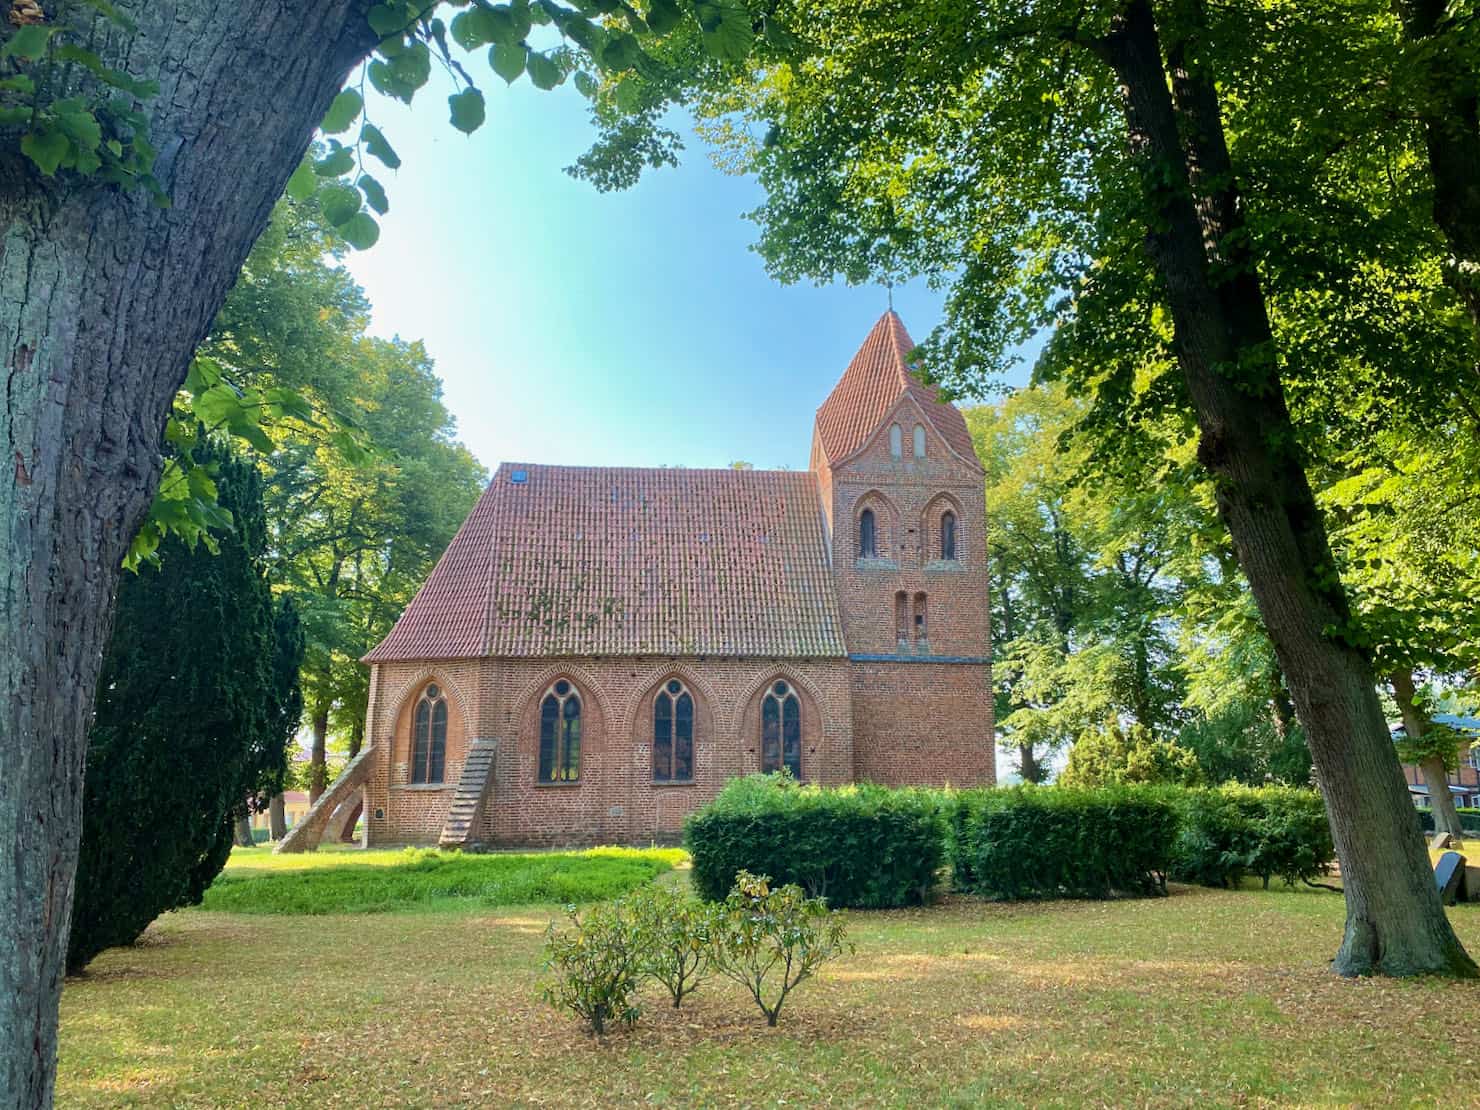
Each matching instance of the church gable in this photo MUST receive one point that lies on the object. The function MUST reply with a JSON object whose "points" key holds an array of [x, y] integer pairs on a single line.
{"points": [[870, 393], [625, 561]]}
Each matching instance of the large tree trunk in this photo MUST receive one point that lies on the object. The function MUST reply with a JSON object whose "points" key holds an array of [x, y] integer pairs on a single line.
{"points": [[318, 771], [1435, 774], [1223, 342], [241, 831], [1029, 767], [103, 297], [277, 818], [1447, 103]]}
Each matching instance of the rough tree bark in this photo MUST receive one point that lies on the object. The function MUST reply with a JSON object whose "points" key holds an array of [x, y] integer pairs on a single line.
{"points": [[277, 818], [1224, 345], [318, 773], [241, 831], [103, 297], [1435, 774]]}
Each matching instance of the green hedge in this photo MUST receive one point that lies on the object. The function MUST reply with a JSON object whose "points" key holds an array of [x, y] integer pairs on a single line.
{"points": [[1469, 819], [1234, 831], [1056, 842], [862, 846]]}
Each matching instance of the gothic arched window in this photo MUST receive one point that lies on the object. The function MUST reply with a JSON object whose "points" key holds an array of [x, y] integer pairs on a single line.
{"points": [[560, 734], [781, 730], [948, 535], [673, 734], [868, 535], [429, 736], [919, 441]]}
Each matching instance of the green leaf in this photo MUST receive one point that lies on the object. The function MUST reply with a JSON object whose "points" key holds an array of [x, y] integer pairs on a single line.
{"points": [[375, 143], [544, 71], [628, 94], [27, 42], [46, 148], [18, 82], [471, 29], [587, 85], [726, 26], [342, 112], [507, 60], [620, 52], [203, 373], [303, 182], [336, 164], [467, 110], [663, 16], [361, 232], [386, 20], [289, 402], [80, 125], [414, 66], [508, 24], [340, 204], [374, 193]]}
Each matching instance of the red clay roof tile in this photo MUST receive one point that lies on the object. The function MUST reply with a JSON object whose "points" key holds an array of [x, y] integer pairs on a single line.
{"points": [[875, 380], [619, 561]]}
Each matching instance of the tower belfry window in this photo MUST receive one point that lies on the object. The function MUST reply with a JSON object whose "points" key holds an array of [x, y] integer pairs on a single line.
{"points": [[896, 440], [919, 441], [868, 535], [948, 535]]}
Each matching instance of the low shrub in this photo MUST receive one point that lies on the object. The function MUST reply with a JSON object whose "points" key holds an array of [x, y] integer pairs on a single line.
{"points": [[675, 933], [863, 846], [1057, 842], [769, 940], [597, 964], [1469, 820], [1233, 831]]}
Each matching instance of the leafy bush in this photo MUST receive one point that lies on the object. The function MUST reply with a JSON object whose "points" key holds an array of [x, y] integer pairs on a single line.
{"points": [[1110, 757], [598, 965], [1269, 831], [770, 940], [864, 846], [1057, 842], [1469, 820], [675, 932]]}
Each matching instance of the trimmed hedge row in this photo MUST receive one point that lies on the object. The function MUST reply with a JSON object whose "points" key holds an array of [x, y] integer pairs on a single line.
{"points": [[1058, 842], [1234, 831], [1469, 819], [872, 847], [863, 846]]}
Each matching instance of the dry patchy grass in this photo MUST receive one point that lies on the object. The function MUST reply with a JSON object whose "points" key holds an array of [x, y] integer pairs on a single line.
{"points": [[1204, 997]]}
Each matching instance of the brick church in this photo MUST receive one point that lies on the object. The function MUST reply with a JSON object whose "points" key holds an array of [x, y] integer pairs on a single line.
{"points": [[600, 649]]}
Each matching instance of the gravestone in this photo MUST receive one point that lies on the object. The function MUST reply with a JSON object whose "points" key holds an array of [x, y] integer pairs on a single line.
{"points": [[1449, 874]]}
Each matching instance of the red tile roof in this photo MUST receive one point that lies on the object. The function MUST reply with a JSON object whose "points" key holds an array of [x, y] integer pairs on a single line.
{"points": [[618, 561], [875, 380]]}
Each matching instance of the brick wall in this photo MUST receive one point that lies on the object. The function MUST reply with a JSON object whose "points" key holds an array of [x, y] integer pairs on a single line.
{"points": [[923, 724], [616, 799]]}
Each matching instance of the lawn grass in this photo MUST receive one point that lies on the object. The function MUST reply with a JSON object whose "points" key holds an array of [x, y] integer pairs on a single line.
{"points": [[1206, 997], [258, 882]]}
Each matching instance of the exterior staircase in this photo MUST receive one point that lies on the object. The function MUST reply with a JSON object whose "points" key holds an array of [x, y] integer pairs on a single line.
{"points": [[466, 811], [306, 835]]}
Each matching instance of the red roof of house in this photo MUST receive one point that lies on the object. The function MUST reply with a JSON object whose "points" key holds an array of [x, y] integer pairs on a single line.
{"points": [[559, 560], [875, 380]]}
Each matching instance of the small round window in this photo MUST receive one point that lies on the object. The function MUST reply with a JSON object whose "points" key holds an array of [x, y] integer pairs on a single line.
{"points": [[675, 686], [432, 691], [780, 689], [562, 688]]}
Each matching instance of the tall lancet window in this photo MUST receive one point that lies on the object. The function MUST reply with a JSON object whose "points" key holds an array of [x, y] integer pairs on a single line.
{"points": [[919, 441], [868, 535], [429, 736], [560, 734], [673, 734], [948, 535], [781, 730]]}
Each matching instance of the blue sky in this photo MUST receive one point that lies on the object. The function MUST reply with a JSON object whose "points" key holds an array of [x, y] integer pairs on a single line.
{"points": [[571, 326]]}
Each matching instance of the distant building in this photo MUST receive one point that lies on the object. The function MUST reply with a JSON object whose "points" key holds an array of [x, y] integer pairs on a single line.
{"points": [[1464, 781], [601, 649]]}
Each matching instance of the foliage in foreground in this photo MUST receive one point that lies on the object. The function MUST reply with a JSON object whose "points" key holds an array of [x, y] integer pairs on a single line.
{"points": [[1111, 757], [197, 701], [1055, 842], [863, 846], [767, 940], [426, 879]]}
